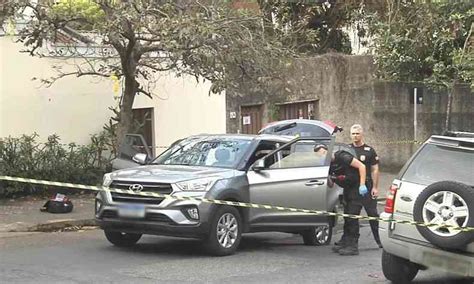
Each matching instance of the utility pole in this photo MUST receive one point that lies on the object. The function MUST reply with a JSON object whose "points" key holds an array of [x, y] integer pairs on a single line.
{"points": [[415, 102]]}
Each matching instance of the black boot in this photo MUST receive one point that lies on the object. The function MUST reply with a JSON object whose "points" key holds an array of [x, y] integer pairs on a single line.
{"points": [[351, 248], [339, 244]]}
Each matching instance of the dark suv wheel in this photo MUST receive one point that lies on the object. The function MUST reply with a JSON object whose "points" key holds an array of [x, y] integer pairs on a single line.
{"points": [[225, 231], [122, 239], [398, 270]]}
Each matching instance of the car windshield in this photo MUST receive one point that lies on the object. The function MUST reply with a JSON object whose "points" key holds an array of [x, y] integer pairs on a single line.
{"points": [[220, 152], [437, 163], [301, 129]]}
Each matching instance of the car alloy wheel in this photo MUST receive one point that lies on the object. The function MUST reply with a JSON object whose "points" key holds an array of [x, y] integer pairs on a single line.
{"points": [[318, 235], [445, 203], [227, 230], [322, 234], [445, 208]]}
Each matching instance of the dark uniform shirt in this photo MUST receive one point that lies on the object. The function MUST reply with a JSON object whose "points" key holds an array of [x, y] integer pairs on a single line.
{"points": [[367, 155], [341, 166]]}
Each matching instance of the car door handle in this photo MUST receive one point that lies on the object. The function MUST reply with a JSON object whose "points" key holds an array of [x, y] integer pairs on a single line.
{"points": [[314, 182], [406, 198]]}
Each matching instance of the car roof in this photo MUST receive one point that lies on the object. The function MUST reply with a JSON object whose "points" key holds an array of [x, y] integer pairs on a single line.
{"points": [[282, 138], [319, 123], [454, 141]]}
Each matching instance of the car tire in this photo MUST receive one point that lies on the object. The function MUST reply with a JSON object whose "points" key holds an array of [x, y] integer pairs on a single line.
{"points": [[225, 231], [397, 269], [446, 196], [120, 239], [318, 236]]}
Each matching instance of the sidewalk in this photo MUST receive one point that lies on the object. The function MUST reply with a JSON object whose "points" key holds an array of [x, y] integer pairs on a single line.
{"points": [[24, 215]]}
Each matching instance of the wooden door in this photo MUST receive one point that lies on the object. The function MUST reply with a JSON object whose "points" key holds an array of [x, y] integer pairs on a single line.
{"points": [[251, 119]]}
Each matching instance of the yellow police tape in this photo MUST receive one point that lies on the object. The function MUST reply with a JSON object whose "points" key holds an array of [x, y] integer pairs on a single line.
{"points": [[397, 142], [232, 203]]}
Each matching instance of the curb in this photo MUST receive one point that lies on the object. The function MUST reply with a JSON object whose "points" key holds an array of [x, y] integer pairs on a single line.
{"points": [[56, 225]]}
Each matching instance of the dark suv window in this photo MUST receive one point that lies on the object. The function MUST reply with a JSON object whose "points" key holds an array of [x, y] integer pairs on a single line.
{"points": [[438, 163]]}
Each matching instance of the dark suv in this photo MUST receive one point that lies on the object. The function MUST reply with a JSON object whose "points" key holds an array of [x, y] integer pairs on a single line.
{"points": [[435, 186]]}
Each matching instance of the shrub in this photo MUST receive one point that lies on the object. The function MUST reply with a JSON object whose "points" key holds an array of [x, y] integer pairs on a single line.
{"points": [[51, 160]]}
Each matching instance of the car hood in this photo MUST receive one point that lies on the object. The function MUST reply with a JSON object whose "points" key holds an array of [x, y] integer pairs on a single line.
{"points": [[169, 174]]}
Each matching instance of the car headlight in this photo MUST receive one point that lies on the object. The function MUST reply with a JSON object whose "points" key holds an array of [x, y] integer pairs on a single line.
{"points": [[107, 180], [202, 184]]}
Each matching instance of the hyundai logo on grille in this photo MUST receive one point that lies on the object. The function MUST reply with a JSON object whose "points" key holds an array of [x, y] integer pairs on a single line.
{"points": [[136, 187]]}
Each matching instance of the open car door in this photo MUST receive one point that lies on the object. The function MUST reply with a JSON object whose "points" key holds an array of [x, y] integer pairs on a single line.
{"points": [[291, 176], [130, 146]]}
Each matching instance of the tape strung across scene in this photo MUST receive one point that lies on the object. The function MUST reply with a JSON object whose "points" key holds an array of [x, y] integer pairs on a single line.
{"points": [[396, 142], [231, 203]]}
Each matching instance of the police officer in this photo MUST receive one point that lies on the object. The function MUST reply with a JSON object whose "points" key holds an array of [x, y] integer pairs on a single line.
{"points": [[367, 155], [350, 174]]}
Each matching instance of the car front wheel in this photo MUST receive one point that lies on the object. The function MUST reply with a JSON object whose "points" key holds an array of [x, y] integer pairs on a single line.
{"points": [[318, 235], [225, 231], [398, 270], [122, 239]]}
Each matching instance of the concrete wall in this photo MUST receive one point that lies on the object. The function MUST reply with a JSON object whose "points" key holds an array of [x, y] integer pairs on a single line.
{"points": [[74, 108], [348, 93], [183, 107]]}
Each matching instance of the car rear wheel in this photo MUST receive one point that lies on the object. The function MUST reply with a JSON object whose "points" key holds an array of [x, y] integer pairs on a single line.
{"points": [[225, 231], [398, 270], [446, 203], [122, 239], [318, 236]]}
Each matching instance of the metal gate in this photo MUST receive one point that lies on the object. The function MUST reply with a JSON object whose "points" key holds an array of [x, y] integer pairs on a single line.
{"points": [[251, 119]]}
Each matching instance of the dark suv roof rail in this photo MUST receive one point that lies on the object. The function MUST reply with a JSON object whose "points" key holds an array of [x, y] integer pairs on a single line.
{"points": [[459, 134]]}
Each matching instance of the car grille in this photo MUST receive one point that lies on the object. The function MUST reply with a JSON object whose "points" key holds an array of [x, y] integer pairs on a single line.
{"points": [[109, 214], [163, 188], [154, 217]]}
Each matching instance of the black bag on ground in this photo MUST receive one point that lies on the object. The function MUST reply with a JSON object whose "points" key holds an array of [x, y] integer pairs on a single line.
{"points": [[59, 203]]}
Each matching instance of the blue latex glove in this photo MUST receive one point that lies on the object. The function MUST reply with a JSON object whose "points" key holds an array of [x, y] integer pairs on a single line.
{"points": [[363, 190]]}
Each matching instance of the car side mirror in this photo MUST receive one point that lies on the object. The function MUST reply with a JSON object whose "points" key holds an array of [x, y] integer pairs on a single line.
{"points": [[140, 158], [259, 165]]}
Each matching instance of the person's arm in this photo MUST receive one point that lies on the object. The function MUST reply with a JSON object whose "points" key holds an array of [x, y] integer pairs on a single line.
{"points": [[375, 179], [361, 167]]}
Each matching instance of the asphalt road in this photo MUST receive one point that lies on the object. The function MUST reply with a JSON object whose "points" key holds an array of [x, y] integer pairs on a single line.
{"points": [[86, 257]]}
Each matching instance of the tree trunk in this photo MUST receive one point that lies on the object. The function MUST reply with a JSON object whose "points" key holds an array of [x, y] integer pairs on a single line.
{"points": [[125, 124]]}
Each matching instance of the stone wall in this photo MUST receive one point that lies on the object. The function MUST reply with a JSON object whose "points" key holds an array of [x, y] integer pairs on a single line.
{"points": [[348, 93]]}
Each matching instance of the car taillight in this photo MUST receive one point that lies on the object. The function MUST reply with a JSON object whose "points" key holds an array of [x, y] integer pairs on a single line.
{"points": [[390, 202]]}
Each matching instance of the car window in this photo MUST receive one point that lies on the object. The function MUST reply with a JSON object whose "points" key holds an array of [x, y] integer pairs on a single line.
{"points": [[264, 147], [438, 163], [297, 155], [210, 152]]}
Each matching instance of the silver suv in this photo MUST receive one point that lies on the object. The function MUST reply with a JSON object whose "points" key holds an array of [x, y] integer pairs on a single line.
{"points": [[261, 169], [435, 186]]}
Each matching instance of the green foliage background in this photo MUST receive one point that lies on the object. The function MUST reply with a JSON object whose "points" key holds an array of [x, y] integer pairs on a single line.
{"points": [[52, 160], [422, 41]]}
